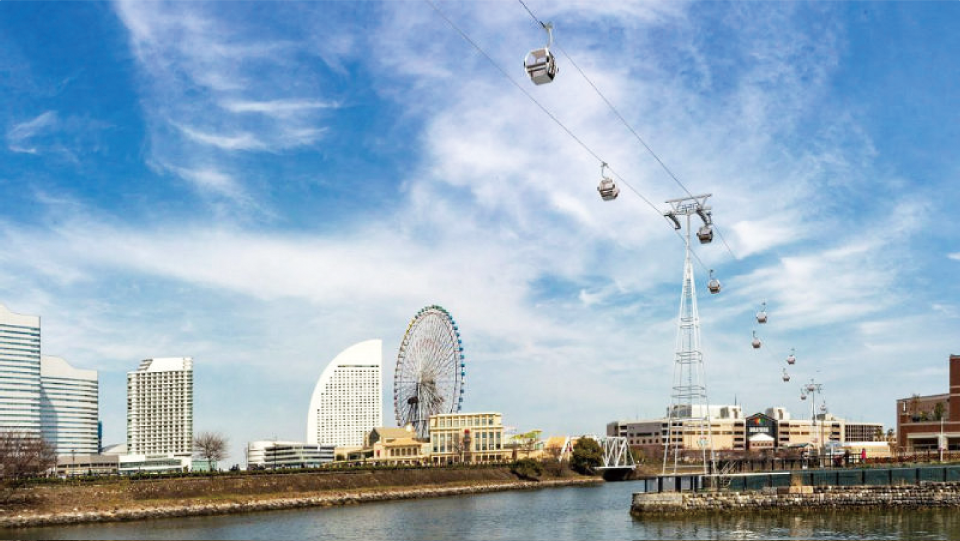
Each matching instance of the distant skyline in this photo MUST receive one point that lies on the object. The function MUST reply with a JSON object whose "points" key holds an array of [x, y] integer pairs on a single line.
{"points": [[259, 185]]}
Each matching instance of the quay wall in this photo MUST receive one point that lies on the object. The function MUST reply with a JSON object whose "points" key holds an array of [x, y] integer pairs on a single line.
{"points": [[813, 498]]}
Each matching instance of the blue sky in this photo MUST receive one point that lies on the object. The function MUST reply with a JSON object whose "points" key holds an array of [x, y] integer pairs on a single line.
{"points": [[261, 185]]}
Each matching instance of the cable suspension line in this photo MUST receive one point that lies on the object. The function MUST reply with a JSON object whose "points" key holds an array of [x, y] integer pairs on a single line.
{"points": [[623, 120]]}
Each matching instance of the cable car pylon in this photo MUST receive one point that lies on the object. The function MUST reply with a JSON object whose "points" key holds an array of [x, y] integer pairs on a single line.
{"points": [[689, 408]]}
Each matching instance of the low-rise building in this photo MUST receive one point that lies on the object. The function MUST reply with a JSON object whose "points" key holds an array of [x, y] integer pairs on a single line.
{"points": [[925, 423], [467, 438], [87, 464], [167, 463], [729, 430], [276, 454], [390, 445]]}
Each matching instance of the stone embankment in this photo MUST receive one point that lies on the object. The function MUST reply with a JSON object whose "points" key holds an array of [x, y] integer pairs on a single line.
{"points": [[797, 498], [270, 503]]}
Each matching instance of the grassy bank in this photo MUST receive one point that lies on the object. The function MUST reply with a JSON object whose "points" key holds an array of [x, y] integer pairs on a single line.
{"points": [[126, 499]]}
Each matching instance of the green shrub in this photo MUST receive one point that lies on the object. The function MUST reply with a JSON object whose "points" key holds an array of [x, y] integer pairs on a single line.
{"points": [[527, 469]]}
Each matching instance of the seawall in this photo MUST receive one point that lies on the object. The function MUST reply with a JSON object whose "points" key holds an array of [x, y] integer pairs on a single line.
{"points": [[797, 498]]}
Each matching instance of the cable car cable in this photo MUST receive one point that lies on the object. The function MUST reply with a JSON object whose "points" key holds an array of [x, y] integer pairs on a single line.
{"points": [[556, 120], [538, 104], [623, 120]]}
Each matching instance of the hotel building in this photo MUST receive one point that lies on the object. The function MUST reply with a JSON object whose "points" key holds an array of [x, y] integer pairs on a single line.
{"points": [[69, 407], [19, 372], [43, 396], [346, 402], [160, 407]]}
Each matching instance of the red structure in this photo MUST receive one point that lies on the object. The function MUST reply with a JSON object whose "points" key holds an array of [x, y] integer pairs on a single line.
{"points": [[921, 420]]}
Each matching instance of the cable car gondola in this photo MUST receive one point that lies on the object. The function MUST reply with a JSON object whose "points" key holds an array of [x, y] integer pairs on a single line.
{"points": [[608, 188], [705, 234], [786, 377], [713, 285], [540, 64], [791, 359], [756, 341], [762, 314]]}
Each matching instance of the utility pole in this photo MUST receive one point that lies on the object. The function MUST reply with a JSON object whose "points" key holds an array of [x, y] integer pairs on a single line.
{"points": [[689, 406]]}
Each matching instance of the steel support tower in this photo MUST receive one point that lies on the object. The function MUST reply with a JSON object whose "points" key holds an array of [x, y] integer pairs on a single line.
{"points": [[689, 413]]}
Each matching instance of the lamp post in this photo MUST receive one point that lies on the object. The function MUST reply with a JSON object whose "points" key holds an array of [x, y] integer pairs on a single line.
{"points": [[812, 389], [941, 441]]}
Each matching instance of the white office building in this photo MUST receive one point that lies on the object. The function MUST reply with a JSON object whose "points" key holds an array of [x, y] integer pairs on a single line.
{"points": [[160, 407], [19, 372], [68, 407], [274, 454], [346, 403]]}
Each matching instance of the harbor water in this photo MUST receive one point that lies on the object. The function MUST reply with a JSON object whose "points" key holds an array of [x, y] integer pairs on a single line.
{"points": [[556, 514]]}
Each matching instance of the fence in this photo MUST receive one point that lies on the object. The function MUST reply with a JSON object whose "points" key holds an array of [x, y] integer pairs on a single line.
{"points": [[848, 477], [743, 482]]}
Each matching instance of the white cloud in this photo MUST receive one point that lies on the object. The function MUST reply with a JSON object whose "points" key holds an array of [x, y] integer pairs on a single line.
{"points": [[19, 135], [955, 256], [278, 107], [242, 141], [227, 89]]}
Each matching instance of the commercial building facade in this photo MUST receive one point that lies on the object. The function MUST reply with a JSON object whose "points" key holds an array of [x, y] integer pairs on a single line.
{"points": [[346, 402], [160, 407], [467, 438], [930, 422], [773, 429], [69, 408]]}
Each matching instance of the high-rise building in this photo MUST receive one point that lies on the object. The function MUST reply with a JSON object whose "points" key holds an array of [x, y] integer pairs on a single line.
{"points": [[346, 401], [19, 372], [160, 407], [68, 407]]}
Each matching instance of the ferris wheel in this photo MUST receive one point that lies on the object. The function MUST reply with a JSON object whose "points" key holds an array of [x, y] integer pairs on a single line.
{"points": [[431, 369]]}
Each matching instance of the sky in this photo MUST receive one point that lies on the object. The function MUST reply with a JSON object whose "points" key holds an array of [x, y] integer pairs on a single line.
{"points": [[260, 185]]}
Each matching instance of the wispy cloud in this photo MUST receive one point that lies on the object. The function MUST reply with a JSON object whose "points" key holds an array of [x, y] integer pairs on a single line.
{"points": [[19, 136], [242, 141], [954, 256], [215, 90], [279, 107]]}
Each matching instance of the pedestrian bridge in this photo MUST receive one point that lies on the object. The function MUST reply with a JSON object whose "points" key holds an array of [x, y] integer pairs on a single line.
{"points": [[618, 461]]}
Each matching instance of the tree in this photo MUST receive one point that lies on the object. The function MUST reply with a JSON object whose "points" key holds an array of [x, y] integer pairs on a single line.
{"points": [[22, 456], [915, 406], [211, 446], [938, 410], [587, 456]]}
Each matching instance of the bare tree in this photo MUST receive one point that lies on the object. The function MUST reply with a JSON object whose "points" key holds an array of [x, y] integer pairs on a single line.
{"points": [[211, 446], [24, 455]]}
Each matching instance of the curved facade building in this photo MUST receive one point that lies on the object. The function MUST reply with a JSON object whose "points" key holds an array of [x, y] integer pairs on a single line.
{"points": [[68, 407], [346, 402]]}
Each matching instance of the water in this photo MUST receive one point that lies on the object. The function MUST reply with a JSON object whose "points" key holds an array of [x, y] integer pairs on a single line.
{"points": [[556, 514]]}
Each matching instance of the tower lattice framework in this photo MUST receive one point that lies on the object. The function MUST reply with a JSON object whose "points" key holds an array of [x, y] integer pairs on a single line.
{"points": [[688, 418]]}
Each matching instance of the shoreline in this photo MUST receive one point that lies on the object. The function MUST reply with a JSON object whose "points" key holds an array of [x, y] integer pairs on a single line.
{"points": [[318, 499]]}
